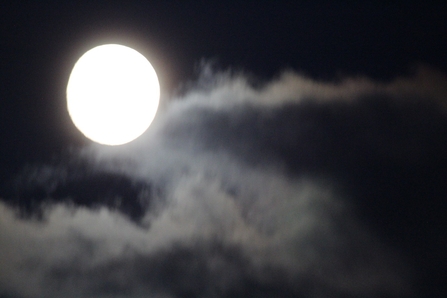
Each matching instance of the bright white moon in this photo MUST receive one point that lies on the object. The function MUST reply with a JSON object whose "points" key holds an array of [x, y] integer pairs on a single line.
{"points": [[112, 94]]}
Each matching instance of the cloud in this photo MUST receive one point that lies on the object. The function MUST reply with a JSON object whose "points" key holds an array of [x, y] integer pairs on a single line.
{"points": [[282, 189]]}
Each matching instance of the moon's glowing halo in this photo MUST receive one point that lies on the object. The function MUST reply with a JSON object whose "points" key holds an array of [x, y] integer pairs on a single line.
{"points": [[112, 94]]}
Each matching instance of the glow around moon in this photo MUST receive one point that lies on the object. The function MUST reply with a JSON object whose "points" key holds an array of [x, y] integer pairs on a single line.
{"points": [[112, 94]]}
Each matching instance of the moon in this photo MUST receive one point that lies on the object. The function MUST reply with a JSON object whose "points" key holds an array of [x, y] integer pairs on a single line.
{"points": [[113, 94]]}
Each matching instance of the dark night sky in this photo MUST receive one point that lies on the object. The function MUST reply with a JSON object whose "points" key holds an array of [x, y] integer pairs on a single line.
{"points": [[384, 153], [42, 40]]}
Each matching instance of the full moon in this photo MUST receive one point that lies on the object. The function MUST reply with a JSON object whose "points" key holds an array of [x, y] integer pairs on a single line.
{"points": [[112, 94]]}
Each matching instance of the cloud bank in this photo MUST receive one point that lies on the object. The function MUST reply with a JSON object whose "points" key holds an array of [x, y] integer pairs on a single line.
{"points": [[289, 188]]}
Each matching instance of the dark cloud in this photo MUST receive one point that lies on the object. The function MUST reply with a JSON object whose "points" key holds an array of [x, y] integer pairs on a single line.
{"points": [[292, 188], [77, 184]]}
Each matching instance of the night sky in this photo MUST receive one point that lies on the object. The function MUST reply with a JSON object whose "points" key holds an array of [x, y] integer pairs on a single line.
{"points": [[299, 151]]}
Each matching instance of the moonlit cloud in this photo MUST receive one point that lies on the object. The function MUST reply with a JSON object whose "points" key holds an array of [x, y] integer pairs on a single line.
{"points": [[283, 189]]}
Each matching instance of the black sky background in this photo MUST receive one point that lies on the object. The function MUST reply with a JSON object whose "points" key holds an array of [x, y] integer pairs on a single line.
{"points": [[324, 40]]}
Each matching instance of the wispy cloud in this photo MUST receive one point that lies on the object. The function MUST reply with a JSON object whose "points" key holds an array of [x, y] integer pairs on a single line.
{"points": [[286, 188]]}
